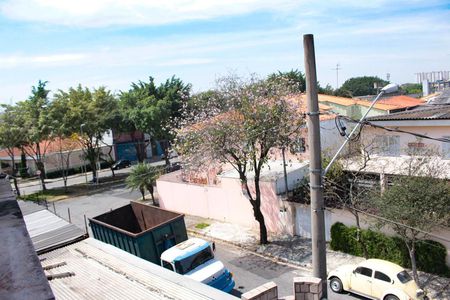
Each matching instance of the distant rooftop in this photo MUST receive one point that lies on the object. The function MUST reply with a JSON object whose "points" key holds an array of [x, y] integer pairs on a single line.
{"points": [[385, 103], [438, 112], [21, 273]]}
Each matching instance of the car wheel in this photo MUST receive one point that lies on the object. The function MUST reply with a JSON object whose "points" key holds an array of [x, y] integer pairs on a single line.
{"points": [[336, 285], [391, 297]]}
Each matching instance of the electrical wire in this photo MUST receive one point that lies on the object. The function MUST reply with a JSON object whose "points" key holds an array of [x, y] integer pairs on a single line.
{"points": [[368, 123]]}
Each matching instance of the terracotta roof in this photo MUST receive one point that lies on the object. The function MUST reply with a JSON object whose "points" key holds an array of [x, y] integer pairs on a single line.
{"points": [[48, 147], [388, 103], [441, 112], [301, 101]]}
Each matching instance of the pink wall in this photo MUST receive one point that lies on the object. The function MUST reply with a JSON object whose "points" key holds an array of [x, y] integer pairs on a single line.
{"points": [[223, 202]]}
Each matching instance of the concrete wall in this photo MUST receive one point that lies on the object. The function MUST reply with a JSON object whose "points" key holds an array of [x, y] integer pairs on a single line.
{"points": [[224, 202]]}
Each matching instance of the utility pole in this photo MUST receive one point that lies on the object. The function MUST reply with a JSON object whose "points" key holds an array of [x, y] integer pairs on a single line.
{"points": [[315, 166], [337, 74]]}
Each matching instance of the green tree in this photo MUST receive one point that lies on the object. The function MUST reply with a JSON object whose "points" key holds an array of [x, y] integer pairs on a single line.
{"points": [[294, 78], [143, 176], [361, 86], [36, 123], [12, 136], [412, 88], [258, 118], [417, 205], [153, 109], [92, 113], [61, 133]]}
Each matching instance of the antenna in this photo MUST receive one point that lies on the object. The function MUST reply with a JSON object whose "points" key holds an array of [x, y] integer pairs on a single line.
{"points": [[337, 74]]}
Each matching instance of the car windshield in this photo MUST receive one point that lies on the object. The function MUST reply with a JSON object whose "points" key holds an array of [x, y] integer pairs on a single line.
{"points": [[404, 277], [190, 263]]}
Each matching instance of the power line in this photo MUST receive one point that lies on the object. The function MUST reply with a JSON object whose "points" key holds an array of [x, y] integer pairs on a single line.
{"points": [[444, 140]]}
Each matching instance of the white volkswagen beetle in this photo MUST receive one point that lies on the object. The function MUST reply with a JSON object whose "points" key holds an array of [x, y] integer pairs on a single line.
{"points": [[375, 279]]}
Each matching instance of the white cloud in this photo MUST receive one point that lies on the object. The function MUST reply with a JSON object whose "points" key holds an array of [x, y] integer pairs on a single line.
{"points": [[100, 13], [10, 61]]}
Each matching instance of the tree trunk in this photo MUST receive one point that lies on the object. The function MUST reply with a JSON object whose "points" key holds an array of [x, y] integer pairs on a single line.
{"points": [[16, 186], [360, 237], [151, 190], [142, 193], [257, 210], [411, 245], [262, 225]]}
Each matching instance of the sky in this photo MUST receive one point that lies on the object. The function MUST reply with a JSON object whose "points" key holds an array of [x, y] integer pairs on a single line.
{"points": [[114, 43]]}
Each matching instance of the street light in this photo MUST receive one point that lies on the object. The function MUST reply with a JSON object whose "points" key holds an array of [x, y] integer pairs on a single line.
{"points": [[388, 89], [84, 159]]}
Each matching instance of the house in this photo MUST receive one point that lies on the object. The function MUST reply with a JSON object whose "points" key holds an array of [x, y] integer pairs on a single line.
{"points": [[405, 138], [52, 153], [355, 108]]}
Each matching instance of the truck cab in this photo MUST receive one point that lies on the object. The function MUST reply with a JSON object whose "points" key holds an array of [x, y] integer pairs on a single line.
{"points": [[195, 258]]}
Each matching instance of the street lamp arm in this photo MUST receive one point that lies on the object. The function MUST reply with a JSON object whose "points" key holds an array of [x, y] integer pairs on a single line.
{"points": [[390, 88]]}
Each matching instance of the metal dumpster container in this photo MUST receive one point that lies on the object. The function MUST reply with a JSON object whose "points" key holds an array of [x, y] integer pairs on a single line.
{"points": [[143, 230]]}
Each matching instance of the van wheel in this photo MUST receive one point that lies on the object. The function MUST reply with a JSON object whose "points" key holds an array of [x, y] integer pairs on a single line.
{"points": [[391, 297], [336, 285]]}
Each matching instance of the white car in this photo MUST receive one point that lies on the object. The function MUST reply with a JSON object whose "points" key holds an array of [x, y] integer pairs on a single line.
{"points": [[375, 279]]}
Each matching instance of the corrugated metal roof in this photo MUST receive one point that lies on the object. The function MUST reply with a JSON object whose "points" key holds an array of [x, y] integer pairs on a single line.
{"points": [[441, 112], [48, 231], [102, 271], [21, 275]]}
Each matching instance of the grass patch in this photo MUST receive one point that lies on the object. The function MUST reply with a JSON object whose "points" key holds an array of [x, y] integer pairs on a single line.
{"points": [[49, 195], [60, 193], [201, 225]]}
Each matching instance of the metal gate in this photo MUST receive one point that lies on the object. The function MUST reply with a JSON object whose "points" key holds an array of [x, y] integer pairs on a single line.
{"points": [[303, 222]]}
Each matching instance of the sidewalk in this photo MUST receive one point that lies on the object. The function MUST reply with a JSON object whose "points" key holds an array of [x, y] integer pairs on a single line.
{"points": [[293, 250]]}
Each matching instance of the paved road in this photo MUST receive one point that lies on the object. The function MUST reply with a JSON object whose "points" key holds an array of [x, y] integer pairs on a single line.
{"points": [[250, 270], [94, 205], [34, 186]]}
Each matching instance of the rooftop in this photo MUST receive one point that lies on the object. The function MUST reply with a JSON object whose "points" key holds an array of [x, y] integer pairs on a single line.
{"points": [[102, 271], [21, 273], [386, 103], [425, 112], [48, 231]]}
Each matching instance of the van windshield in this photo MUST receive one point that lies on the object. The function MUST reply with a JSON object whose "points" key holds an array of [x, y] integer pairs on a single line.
{"points": [[190, 263]]}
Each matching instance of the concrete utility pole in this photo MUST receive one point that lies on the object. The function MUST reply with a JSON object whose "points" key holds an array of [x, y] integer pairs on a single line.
{"points": [[316, 187]]}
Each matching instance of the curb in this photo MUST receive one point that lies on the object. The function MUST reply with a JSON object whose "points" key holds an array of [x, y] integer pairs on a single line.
{"points": [[281, 260]]}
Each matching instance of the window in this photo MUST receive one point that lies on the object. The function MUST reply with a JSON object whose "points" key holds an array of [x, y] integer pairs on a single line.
{"points": [[167, 265], [446, 148], [388, 145], [191, 262], [404, 277], [417, 148], [382, 276], [364, 271]]}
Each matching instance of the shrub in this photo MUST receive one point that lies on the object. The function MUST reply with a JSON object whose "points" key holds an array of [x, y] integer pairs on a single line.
{"points": [[430, 255]]}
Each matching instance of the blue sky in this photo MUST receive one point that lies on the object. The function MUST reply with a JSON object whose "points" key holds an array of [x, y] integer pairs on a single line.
{"points": [[114, 43]]}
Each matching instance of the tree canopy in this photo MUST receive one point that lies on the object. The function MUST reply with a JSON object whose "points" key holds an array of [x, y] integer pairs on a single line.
{"points": [[361, 86], [418, 205], [152, 109], [257, 117]]}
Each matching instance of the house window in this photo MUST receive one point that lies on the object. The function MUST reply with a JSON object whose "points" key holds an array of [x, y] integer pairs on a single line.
{"points": [[299, 146], [416, 148], [388, 145], [446, 148]]}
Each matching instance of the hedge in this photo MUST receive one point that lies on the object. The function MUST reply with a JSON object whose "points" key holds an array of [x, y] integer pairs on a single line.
{"points": [[430, 255]]}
